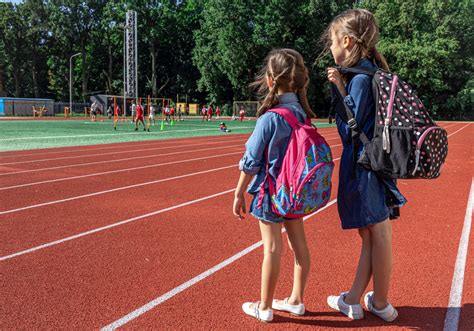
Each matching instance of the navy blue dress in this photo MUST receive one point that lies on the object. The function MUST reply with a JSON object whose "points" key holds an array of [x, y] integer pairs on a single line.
{"points": [[365, 199]]}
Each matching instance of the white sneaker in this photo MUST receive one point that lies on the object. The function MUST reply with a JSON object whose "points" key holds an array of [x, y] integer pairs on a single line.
{"points": [[388, 314], [336, 302], [261, 315], [292, 309]]}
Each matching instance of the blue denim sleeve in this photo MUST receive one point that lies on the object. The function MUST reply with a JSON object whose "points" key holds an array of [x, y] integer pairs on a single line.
{"points": [[254, 158], [359, 90]]}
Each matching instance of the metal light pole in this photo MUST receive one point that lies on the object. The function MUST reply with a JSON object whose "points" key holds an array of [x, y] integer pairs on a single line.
{"points": [[125, 27], [70, 81]]}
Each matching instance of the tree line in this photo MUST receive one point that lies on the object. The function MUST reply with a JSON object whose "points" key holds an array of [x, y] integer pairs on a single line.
{"points": [[210, 50]]}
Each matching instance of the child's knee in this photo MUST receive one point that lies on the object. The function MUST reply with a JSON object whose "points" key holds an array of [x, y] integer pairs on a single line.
{"points": [[381, 232], [364, 233], [273, 248]]}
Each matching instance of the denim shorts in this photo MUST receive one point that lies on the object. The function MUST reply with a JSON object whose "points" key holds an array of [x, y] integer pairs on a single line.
{"points": [[265, 213]]}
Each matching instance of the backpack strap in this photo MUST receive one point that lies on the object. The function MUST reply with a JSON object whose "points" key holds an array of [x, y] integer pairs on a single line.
{"points": [[293, 122], [358, 70], [287, 115], [357, 135]]}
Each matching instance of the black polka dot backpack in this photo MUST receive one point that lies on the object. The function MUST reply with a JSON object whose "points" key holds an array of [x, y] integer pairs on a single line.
{"points": [[407, 143]]}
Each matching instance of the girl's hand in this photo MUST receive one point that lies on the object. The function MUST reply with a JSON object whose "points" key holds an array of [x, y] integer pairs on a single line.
{"points": [[334, 76], [239, 204]]}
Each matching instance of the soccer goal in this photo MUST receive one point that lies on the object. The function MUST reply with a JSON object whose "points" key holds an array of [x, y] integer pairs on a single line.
{"points": [[250, 108]]}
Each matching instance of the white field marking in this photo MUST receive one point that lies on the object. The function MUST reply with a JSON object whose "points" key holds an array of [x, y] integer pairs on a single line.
{"points": [[449, 135], [121, 145], [451, 321], [168, 295], [130, 150], [82, 234], [118, 160], [117, 134], [116, 189]]}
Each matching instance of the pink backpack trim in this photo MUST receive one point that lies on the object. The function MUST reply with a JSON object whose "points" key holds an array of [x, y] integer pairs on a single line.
{"points": [[307, 159]]}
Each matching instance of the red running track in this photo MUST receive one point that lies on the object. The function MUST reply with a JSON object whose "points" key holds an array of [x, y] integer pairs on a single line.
{"points": [[96, 279]]}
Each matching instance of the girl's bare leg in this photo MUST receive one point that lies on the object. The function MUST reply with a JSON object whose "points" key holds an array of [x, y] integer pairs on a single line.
{"points": [[272, 248]]}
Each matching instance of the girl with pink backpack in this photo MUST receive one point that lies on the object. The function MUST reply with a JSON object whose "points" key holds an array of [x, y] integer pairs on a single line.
{"points": [[272, 151]]}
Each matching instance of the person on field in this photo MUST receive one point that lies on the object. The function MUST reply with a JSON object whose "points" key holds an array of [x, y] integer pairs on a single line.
{"points": [[94, 108], [241, 114], [223, 127], [204, 113], [139, 117], [151, 116]]}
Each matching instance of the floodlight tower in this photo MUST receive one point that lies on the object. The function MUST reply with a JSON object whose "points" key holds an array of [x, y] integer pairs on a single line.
{"points": [[132, 56]]}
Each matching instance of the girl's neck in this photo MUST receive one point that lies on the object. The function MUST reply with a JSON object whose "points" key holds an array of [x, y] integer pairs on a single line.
{"points": [[281, 92]]}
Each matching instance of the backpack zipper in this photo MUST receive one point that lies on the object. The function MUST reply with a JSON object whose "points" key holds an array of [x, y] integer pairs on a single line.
{"points": [[418, 146], [388, 119]]}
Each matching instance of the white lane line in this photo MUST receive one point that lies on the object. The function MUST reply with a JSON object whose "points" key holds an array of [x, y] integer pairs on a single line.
{"points": [[118, 145], [6, 257], [82, 234], [116, 171], [109, 161], [465, 126], [116, 189], [131, 150], [455, 297], [454, 122], [120, 160], [447, 126], [168, 295]]}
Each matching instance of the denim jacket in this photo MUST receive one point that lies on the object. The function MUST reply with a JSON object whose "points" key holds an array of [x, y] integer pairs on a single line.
{"points": [[269, 140]]}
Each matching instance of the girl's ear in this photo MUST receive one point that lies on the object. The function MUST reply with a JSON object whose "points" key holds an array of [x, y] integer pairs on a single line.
{"points": [[347, 42]]}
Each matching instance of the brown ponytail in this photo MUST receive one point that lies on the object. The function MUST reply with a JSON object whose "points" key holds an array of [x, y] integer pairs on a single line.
{"points": [[287, 70]]}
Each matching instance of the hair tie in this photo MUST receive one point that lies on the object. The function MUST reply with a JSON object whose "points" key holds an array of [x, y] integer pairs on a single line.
{"points": [[359, 40]]}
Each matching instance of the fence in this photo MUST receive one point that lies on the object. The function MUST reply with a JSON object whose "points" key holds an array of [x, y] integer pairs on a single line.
{"points": [[77, 108], [24, 107]]}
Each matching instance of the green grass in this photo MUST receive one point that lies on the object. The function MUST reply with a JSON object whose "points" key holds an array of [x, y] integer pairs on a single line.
{"points": [[33, 134]]}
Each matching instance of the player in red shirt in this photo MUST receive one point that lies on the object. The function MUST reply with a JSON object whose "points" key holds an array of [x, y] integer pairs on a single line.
{"points": [[209, 113], [242, 114], [172, 114], [139, 117], [218, 112]]}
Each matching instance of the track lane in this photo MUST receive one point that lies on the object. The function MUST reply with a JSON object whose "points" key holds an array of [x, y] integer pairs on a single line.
{"points": [[420, 287], [104, 158], [137, 165], [85, 312]]}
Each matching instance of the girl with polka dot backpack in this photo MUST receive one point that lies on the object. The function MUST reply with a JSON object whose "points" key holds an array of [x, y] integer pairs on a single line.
{"points": [[407, 143]]}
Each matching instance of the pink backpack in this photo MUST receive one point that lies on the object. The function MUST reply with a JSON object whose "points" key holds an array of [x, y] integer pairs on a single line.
{"points": [[304, 182]]}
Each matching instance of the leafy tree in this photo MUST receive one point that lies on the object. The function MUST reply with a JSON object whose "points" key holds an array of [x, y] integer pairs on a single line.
{"points": [[13, 41], [430, 44], [211, 50]]}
